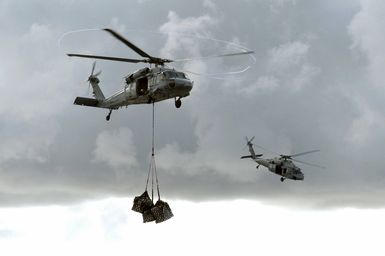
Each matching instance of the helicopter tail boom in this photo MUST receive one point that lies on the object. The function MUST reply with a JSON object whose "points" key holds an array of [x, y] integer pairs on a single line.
{"points": [[251, 156], [251, 150], [90, 102], [94, 81]]}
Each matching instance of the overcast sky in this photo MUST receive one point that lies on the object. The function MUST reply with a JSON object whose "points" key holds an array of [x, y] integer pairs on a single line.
{"points": [[316, 82]]}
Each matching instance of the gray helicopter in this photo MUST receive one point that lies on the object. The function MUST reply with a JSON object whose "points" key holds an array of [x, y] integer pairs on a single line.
{"points": [[282, 165], [146, 85]]}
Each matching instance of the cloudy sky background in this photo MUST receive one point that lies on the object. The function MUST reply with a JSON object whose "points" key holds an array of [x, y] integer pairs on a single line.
{"points": [[317, 84]]}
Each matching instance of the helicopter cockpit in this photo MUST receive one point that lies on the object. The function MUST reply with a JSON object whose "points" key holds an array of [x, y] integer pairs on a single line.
{"points": [[176, 80], [174, 74], [296, 170]]}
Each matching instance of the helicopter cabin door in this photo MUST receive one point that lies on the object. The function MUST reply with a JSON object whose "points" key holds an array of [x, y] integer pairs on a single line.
{"points": [[141, 86], [278, 169]]}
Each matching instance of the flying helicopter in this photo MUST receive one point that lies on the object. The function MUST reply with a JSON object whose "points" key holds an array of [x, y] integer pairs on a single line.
{"points": [[282, 165], [146, 85]]}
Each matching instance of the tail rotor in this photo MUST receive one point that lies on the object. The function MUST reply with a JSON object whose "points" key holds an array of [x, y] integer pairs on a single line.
{"points": [[93, 78], [248, 142]]}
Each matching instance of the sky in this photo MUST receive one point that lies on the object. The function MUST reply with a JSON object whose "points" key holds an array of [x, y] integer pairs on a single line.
{"points": [[314, 82]]}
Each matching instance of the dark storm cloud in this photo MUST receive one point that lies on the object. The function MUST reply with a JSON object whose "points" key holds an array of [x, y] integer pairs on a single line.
{"points": [[315, 85]]}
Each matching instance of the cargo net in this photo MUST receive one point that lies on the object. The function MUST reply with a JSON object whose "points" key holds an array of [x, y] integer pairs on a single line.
{"points": [[144, 204]]}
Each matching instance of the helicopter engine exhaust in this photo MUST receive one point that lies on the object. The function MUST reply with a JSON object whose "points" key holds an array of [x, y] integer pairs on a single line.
{"points": [[137, 74]]}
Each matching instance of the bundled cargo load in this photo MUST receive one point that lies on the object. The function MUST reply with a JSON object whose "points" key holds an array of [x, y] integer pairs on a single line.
{"points": [[161, 211], [144, 204], [148, 216]]}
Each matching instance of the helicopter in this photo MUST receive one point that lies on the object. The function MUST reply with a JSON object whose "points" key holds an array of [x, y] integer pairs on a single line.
{"points": [[144, 86], [282, 165]]}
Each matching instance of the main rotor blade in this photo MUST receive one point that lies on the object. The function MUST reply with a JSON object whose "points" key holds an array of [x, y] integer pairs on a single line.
{"points": [[305, 153], [216, 56], [128, 43], [107, 58], [314, 165]]}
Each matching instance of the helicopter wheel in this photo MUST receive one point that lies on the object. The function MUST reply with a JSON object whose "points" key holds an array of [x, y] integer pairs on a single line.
{"points": [[178, 103], [109, 115], [150, 100], [282, 179]]}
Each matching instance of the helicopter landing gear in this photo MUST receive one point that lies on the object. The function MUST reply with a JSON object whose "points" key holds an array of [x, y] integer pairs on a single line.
{"points": [[282, 179], [150, 100], [178, 103], [109, 115]]}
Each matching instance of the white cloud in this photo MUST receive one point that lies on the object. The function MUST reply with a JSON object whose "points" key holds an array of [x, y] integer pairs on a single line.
{"points": [[207, 159], [305, 76], [368, 33], [277, 5], [364, 129], [288, 55], [176, 27], [107, 227], [184, 39], [171, 159], [209, 4], [289, 63], [116, 148], [117, 25], [33, 143], [40, 84], [143, 1], [35, 87], [264, 84]]}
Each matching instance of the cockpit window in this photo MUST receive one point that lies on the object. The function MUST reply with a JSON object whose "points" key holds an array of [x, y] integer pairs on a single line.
{"points": [[181, 75], [159, 77], [168, 74], [171, 74]]}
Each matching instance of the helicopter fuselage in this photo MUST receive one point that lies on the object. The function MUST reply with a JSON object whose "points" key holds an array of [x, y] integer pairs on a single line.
{"points": [[282, 167], [155, 85], [147, 85]]}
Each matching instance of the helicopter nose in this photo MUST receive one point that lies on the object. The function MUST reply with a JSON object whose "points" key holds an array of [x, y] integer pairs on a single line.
{"points": [[300, 176], [184, 85]]}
